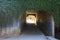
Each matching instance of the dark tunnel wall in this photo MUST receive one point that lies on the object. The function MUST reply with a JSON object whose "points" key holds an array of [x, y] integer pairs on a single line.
{"points": [[10, 9]]}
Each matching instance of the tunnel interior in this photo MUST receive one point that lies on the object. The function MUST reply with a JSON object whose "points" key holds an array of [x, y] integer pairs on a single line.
{"points": [[44, 23]]}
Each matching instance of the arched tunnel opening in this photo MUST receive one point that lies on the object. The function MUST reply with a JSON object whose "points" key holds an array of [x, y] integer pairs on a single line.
{"points": [[34, 21]]}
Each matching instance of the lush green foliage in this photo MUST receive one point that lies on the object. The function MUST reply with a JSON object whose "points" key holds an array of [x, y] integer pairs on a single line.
{"points": [[10, 9]]}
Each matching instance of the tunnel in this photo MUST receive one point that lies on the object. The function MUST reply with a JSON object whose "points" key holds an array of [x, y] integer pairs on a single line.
{"points": [[35, 21]]}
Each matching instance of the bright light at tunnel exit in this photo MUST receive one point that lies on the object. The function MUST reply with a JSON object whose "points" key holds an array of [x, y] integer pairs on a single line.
{"points": [[31, 19]]}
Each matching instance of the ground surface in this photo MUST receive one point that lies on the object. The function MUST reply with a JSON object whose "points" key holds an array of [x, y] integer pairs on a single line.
{"points": [[30, 34]]}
